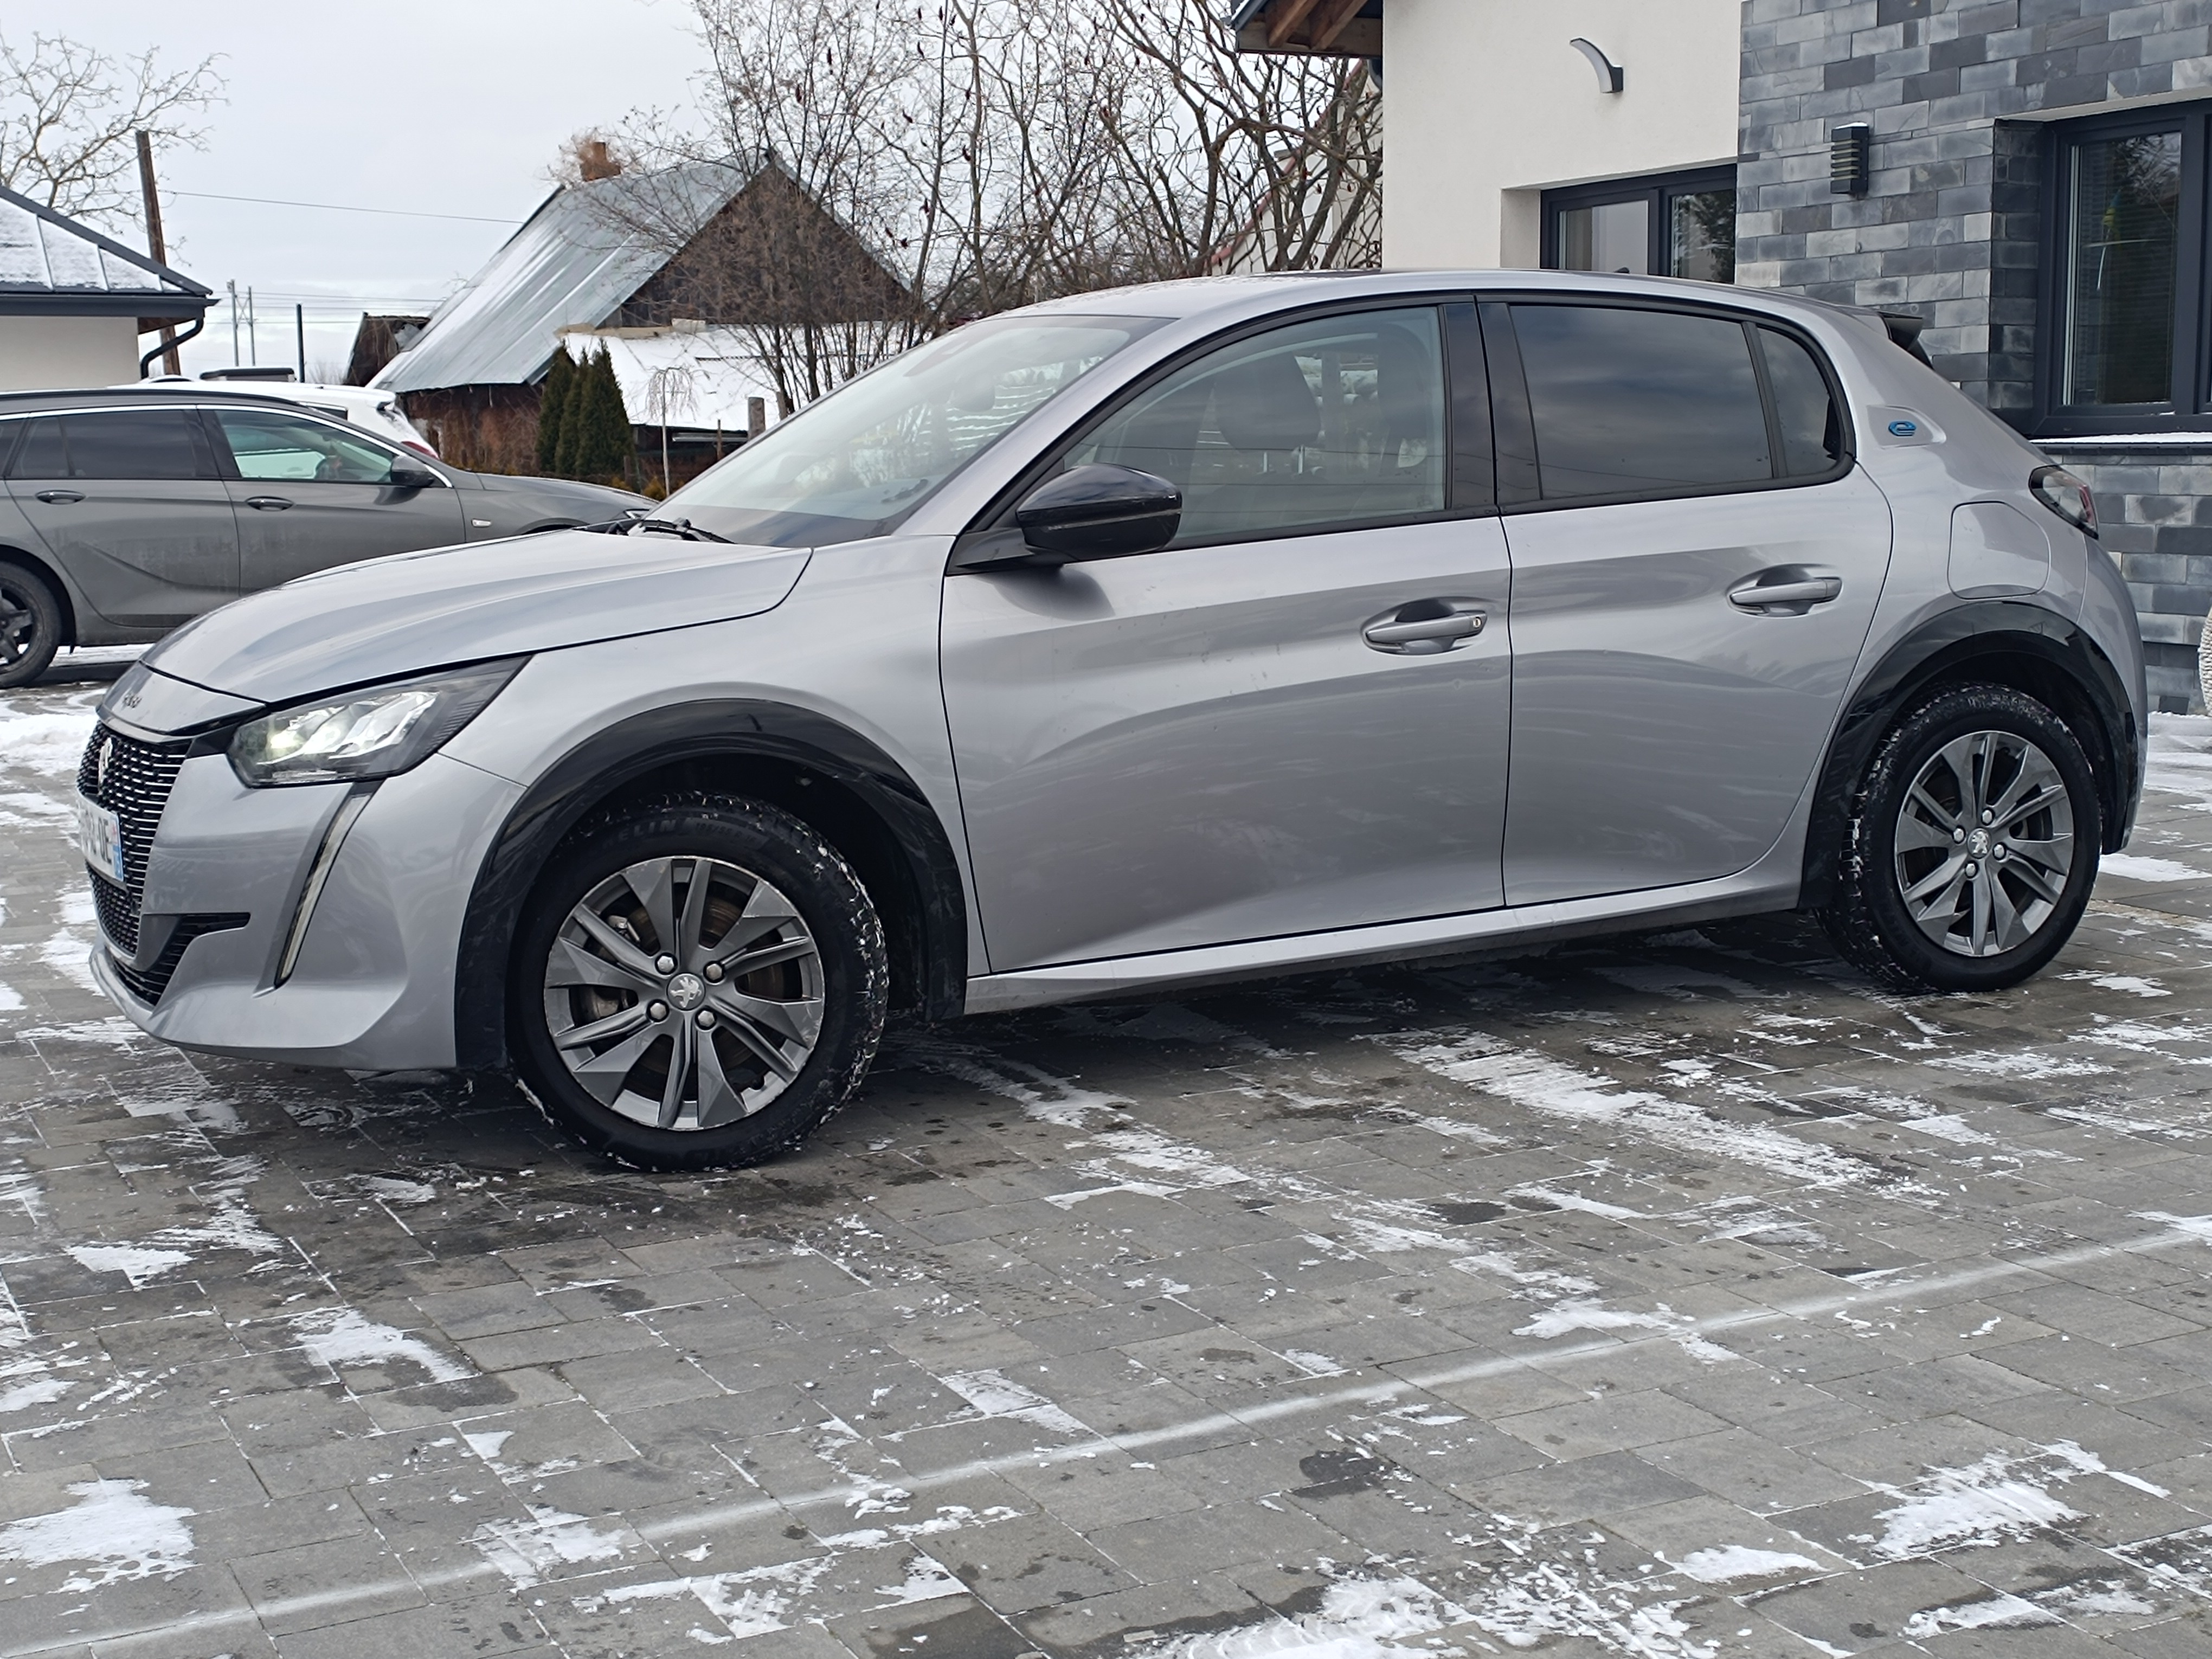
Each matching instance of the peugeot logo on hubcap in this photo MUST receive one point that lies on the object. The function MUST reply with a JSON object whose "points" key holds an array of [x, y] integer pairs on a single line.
{"points": [[687, 991]]}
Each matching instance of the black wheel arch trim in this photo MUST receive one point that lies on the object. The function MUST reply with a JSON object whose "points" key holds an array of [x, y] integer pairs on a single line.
{"points": [[809, 745], [1931, 652]]}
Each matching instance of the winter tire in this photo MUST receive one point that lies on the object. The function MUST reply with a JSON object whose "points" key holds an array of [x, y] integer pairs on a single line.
{"points": [[1971, 845], [30, 625], [696, 985]]}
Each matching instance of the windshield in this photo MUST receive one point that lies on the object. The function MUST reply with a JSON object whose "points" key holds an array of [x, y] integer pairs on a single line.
{"points": [[861, 458]]}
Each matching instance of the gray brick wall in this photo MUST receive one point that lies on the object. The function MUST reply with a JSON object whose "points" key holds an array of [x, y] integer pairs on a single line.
{"points": [[2154, 515], [1951, 227]]}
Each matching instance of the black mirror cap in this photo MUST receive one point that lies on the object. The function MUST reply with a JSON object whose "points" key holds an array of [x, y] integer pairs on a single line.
{"points": [[1100, 512], [405, 477]]}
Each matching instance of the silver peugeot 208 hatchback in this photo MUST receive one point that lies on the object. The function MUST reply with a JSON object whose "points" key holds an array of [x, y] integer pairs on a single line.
{"points": [[1163, 637]]}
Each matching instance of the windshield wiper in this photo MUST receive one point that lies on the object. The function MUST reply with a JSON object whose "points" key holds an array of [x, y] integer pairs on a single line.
{"points": [[681, 528]]}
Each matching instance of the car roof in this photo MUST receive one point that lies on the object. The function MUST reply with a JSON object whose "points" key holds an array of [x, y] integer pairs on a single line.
{"points": [[179, 393]]}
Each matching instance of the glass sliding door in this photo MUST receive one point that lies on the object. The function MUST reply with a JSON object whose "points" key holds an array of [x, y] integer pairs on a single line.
{"points": [[2122, 262]]}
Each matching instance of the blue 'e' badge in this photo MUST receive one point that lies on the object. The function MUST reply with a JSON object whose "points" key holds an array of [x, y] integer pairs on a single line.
{"points": [[1903, 428]]}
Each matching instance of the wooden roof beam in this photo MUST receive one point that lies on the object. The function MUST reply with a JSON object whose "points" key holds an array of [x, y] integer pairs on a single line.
{"points": [[1288, 14], [1329, 22]]}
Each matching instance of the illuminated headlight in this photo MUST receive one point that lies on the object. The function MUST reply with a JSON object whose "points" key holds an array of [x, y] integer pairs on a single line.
{"points": [[370, 734]]}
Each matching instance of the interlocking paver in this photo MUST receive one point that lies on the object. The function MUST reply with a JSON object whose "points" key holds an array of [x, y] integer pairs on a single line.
{"points": [[1816, 1319]]}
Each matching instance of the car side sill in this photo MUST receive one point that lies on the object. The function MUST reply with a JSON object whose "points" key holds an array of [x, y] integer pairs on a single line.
{"points": [[1769, 884]]}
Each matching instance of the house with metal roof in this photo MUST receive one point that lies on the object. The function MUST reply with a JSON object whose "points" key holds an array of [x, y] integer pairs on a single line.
{"points": [[74, 302], [654, 260]]}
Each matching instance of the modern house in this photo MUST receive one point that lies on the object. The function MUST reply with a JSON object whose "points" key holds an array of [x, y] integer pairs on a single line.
{"points": [[2030, 177], [665, 269], [73, 303]]}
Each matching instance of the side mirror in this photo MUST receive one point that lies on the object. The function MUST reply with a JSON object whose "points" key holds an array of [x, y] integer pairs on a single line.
{"points": [[404, 475], [1100, 512]]}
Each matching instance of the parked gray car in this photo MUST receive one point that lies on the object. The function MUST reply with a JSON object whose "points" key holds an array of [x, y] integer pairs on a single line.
{"points": [[129, 511], [1161, 638]]}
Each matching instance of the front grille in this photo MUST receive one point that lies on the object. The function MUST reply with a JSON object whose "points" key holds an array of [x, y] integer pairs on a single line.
{"points": [[148, 984], [135, 786]]}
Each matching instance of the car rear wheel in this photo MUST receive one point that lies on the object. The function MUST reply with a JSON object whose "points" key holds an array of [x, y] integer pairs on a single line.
{"points": [[697, 985], [30, 625], [1971, 847]]}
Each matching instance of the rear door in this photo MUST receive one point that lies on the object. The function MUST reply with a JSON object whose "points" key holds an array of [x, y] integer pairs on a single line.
{"points": [[130, 504], [312, 493], [1696, 559]]}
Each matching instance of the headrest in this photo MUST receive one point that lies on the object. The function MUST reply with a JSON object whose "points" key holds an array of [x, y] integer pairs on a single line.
{"points": [[1265, 403]]}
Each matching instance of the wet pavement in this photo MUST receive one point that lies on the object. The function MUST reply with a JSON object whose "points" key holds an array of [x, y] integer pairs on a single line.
{"points": [[1677, 1295]]}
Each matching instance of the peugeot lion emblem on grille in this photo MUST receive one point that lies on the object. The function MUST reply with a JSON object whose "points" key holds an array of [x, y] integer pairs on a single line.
{"points": [[100, 765]]}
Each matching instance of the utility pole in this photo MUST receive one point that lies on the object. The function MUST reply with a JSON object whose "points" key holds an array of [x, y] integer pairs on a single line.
{"points": [[253, 330], [155, 244], [232, 286], [300, 333]]}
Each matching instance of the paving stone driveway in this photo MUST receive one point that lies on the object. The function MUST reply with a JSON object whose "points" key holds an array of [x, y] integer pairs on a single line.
{"points": [[1670, 1296]]}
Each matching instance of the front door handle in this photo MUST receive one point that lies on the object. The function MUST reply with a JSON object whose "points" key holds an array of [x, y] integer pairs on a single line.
{"points": [[267, 503], [56, 497], [1424, 628], [1790, 598]]}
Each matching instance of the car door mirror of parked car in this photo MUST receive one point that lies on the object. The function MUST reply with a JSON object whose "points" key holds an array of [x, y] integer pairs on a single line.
{"points": [[1095, 512], [405, 475]]}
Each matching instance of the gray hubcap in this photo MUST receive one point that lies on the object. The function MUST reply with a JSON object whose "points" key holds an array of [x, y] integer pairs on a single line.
{"points": [[19, 625], [683, 993], [1985, 844]]}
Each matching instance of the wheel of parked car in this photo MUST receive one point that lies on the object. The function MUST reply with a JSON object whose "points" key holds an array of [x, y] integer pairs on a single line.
{"points": [[1971, 847], [697, 984], [30, 625]]}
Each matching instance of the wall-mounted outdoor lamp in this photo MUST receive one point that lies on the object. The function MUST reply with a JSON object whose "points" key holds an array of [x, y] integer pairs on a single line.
{"points": [[1609, 72], [1851, 159]]}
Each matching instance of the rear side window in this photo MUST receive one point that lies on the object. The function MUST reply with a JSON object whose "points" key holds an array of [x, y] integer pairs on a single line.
{"points": [[1628, 401], [148, 444], [1805, 409]]}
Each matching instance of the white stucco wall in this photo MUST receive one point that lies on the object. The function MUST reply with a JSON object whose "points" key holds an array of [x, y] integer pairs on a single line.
{"points": [[42, 354], [1485, 105]]}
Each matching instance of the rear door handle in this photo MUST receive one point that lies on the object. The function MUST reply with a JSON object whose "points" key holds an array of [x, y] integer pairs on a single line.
{"points": [[1424, 628], [55, 497], [267, 503], [1769, 598]]}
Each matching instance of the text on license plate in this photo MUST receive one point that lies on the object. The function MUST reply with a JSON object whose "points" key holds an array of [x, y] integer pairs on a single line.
{"points": [[100, 836]]}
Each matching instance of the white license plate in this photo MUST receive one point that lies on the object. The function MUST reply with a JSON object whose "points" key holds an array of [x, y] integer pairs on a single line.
{"points": [[101, 836]]}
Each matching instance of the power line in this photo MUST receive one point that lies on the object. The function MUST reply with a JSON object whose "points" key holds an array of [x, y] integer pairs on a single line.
{"points": [[341, 207]]}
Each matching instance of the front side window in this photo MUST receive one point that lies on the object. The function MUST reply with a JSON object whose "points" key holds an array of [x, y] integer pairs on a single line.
{"points": [[861, 458], [287, 449], [1678, 224], [1333, 421]]}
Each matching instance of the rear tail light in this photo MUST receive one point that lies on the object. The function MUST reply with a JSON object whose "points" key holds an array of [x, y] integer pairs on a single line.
{"points": [[2066, 496], [425, 449]]}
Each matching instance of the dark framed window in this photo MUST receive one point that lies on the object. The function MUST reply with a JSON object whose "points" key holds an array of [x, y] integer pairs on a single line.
{"points": [[1670, 224], [2123, 291]]}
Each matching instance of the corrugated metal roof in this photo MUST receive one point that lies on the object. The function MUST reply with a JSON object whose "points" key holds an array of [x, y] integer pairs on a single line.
{"points": [[49, 257], [572, 265]]}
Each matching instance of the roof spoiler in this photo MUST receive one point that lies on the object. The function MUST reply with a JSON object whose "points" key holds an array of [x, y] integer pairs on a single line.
{"points": [[1904, 330]]}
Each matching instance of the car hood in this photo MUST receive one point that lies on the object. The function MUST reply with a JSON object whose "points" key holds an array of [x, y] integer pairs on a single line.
{"points": [[415, 611]]}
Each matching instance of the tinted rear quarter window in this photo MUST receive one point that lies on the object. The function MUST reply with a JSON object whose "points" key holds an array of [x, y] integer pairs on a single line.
{"points": [[150, 444], [1627, 401], [1812, 429]]}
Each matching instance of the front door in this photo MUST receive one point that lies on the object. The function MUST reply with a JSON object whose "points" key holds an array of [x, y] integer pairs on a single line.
{"points": [[1695, 561], [311, 494], [1292, 719], [129, 503]]}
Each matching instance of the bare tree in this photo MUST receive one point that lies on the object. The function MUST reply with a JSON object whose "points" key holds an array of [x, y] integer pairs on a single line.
{"points": [[913, 166], [69, 113]]}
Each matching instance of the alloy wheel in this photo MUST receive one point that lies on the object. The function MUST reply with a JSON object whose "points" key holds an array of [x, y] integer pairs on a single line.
{"points": [[1985, 844], [683, 993], [19, 624]]}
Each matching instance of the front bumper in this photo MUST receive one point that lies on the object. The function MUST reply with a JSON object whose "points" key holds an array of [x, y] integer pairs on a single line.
{"points": [[371, 986]]}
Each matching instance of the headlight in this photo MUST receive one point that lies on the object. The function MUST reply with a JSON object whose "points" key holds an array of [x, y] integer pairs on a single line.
{"points": [[370, 734]]}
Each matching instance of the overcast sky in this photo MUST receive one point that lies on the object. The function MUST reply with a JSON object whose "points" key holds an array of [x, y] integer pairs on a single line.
{"points": [[447, 106]]}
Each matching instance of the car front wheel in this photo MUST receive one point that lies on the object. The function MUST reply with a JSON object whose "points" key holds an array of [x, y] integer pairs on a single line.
{"points": [[1971, 845], [697, 985]]}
